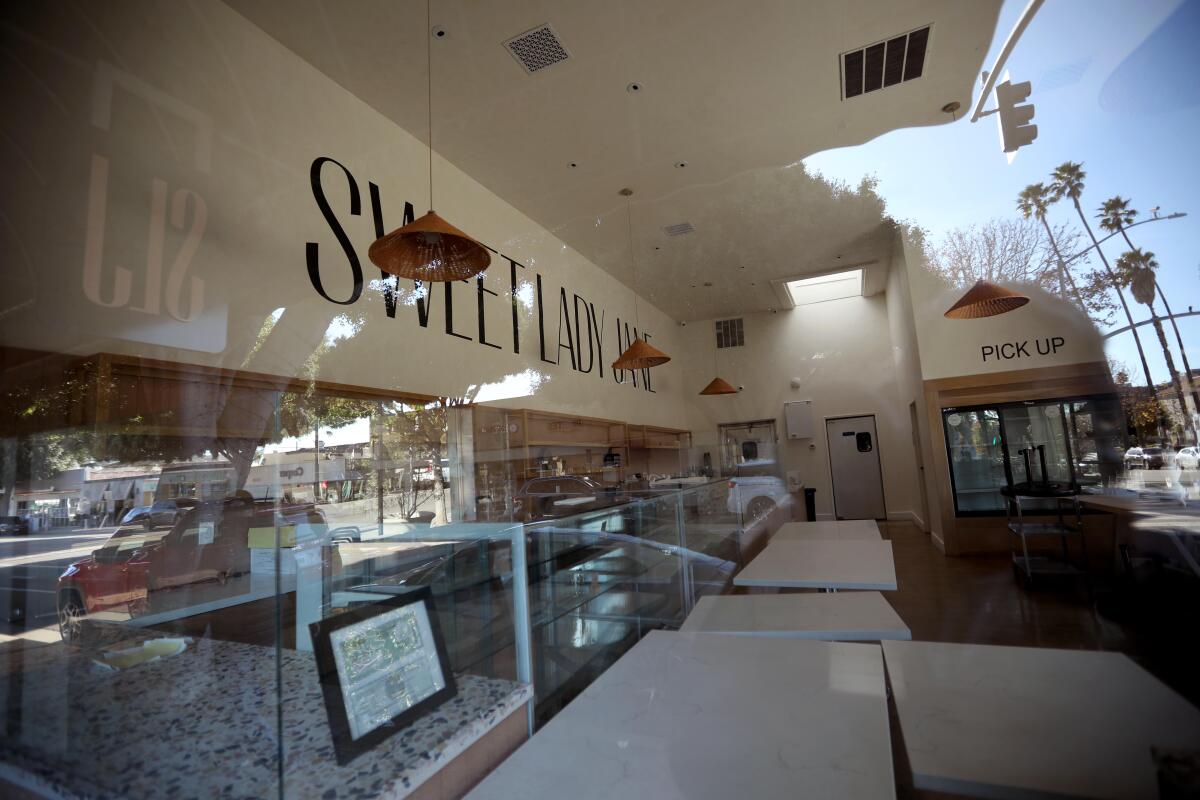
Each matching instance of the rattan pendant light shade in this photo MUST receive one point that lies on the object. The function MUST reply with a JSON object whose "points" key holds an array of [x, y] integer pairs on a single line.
{"points": [[640, 355], [719, 386], [986, 300], [429, 249]]}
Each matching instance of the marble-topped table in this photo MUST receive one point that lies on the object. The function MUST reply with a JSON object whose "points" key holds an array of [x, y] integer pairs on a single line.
{"points": [[204, 724], [1004, 722], [833, 530], [697, 716], [846, 616], [822, 564]]}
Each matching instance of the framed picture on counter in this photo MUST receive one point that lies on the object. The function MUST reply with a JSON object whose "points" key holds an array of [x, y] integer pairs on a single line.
{"points": [[382, 667]]}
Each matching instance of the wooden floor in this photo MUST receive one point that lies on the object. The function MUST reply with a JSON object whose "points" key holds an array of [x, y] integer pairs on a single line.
{"points": [[1154, 619]]}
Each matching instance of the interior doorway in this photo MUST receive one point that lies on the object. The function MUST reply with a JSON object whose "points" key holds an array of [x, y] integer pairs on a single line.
{"points": [[923, 511], [854, 467], [747, 447]]}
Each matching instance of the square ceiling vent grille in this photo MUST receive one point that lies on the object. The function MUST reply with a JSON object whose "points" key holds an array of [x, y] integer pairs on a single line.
{"points": [[730, 333], [537, 49], [678, 229], [886, 63]]}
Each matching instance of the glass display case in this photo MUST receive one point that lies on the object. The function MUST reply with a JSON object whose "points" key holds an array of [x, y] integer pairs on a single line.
{"points": [[1077, 439]]}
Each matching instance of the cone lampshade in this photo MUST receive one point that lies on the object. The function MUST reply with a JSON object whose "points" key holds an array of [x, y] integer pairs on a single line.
{"points": [[985, 300], [640, 355], [718, 386], [429, 249]]}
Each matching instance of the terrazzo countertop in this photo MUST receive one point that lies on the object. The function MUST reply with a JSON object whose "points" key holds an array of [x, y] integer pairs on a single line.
{"points": [[205, 724]]}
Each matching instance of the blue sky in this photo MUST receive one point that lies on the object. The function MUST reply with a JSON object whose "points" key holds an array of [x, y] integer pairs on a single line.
{"points": [[1117, 87]]}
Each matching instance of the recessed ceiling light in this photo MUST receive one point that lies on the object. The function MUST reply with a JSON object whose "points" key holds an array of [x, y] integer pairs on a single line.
{"points": [[708, 283], [680, 164], [572, 165], [439, 32], [633, 87]]}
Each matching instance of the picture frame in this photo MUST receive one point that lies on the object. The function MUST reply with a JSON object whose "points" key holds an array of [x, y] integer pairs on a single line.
{"points": [[381, 667]]}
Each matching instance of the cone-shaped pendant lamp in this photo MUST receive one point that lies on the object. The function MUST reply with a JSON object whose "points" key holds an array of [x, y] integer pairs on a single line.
{"points": [[985, 300], [718, 385], [429, 249], [640, 354]]}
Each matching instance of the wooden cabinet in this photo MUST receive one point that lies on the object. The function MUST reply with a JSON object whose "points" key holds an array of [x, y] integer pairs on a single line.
{"points": [[521, 444]]}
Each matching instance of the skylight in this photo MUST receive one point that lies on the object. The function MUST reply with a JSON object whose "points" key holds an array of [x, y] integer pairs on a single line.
{"points": [[834, 286]]}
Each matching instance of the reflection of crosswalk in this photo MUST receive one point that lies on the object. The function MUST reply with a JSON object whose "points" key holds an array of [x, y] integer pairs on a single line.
{"points": [[46, 635], [79, 551]]}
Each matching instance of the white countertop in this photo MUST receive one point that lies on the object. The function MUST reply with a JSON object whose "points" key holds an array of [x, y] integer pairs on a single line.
{"points": [[1021, 721], [836, 530], [822, 565], [698, 716], [849, 616]]}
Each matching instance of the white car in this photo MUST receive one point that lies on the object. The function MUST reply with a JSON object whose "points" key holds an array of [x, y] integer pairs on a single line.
{"points": [[1188, 458], [755, 496]]}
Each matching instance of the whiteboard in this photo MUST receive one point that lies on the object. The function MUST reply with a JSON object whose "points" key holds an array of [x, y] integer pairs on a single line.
{"points": [[797, 415]]}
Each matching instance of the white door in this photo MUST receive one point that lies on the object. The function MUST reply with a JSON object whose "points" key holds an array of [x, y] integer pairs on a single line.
{"points": [[854, 466]]}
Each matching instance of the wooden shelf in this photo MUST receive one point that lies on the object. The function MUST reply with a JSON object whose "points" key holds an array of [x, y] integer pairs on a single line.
{"points": [[544, 443]]}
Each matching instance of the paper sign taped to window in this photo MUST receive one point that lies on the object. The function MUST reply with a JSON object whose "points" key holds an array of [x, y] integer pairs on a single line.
{"points": [[207, 530]]}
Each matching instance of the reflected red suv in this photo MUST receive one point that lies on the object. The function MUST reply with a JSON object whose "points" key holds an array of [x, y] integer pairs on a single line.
{"points": [[137, 571]]}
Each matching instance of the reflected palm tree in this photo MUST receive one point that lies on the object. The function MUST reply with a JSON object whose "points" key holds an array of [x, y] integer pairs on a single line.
{"points": [[1135, 269], [1067, 181], [1032, 202], [1115, 216]]}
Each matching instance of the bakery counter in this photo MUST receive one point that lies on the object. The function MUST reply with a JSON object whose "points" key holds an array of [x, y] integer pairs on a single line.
{"points": [[207, 723]]}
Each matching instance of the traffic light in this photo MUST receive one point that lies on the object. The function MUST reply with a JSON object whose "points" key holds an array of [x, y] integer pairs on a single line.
{"points": [[1015, 128]]}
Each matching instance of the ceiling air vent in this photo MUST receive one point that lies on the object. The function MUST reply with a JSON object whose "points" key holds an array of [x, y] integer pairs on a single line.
{"points": [[537, 49], [730, 333], [886, 63], [678, 229]]}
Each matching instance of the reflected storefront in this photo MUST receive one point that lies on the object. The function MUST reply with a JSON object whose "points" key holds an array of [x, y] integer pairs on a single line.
{"points": [[281, 519]]}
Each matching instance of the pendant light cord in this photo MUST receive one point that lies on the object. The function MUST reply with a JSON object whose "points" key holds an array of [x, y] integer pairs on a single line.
{"points": [[429, 91], [632, 260]]}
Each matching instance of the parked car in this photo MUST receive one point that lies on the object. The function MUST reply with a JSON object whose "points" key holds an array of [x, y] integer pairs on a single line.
{"points": [[558, 496], [137, 570], [165, 513], [1188, 458], [754, 492], [14, 526], [1144, 458], [136, 516], [1088, 468]]}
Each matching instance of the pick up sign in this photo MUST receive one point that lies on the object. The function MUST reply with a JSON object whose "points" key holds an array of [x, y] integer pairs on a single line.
{"points": [[1026, 348]]}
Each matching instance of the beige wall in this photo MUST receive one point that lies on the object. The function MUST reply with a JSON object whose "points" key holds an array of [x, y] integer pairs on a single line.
{"points": [[841, 351], [953, 347], [159, 203]]}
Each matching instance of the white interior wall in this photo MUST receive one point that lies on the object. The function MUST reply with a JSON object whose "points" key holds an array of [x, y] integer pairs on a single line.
{"points": [[841, 351], [906, 356], [165, 191]]}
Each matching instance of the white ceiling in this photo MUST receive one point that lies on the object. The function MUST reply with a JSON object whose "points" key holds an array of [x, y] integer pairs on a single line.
{"points": [[740, 91]]}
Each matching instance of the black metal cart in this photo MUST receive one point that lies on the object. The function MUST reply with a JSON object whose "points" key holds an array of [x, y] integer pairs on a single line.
{"points": [[1068, 522]]}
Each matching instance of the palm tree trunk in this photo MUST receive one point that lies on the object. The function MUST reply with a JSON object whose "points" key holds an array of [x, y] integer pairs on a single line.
{"points": [[1182, 351], [1062, 269], [1162, 339], [1120, 296]]}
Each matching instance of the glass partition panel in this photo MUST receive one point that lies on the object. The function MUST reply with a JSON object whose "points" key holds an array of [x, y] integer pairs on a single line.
{"points": [[977, 463], [1038, 448], [599, 580]]}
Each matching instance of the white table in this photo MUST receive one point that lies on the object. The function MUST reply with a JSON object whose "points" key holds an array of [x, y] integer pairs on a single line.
{"points": [[1022, 721], [696, 716], [822, 565], [832, 530], [849, 616]]}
